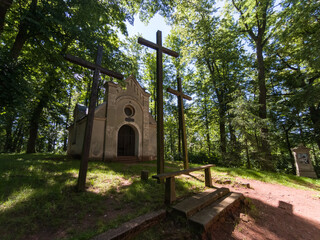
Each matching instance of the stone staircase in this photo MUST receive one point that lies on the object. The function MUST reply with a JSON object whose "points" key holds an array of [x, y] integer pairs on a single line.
{"points": [[126, 159], [205, 208]]}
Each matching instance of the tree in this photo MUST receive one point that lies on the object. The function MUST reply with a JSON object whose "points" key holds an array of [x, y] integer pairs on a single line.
{"points": [[298, 62], [45, 31], [257, 20], [211, 42]]}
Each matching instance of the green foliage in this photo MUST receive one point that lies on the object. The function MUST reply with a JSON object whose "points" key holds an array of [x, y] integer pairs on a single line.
{"points": [[218, 64]]}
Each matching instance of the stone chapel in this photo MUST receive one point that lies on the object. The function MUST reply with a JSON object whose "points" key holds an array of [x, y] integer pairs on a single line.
{"points": [[123, 128]]}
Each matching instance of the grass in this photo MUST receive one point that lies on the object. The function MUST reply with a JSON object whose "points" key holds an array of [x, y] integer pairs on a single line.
{"points": [[271, 177], [38, 197]]}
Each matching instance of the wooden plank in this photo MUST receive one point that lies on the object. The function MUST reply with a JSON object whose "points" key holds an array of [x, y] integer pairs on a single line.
{"points": [[207, 176], [160, 126], [182, 125], [186, 171], [92, 105], [170, 190], [159, 100], [207, 216], [177, 93], [195, 203], [156, 47], [93, 66], [89, 126]]}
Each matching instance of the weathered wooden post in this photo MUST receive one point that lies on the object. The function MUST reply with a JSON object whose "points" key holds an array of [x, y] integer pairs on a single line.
{"points": [[182, 123], [160, 133], [92, 105]]}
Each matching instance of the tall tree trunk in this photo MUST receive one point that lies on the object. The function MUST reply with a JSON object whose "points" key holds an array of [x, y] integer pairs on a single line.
{"points": [[65, 138], [9, 125], [20, 142], [179, 139], [286, 131], [222, 123], [266, 158], [34, 126], [247, 154], [207, 126], [315, 118], [222, 129], [37, 112], [17, 136], [4, 7], [235, 149], [23, 33]]}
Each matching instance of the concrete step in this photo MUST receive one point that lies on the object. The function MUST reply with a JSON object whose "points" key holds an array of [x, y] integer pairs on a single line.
{"points": [[207, 216], [126, 159], [192, 205]]}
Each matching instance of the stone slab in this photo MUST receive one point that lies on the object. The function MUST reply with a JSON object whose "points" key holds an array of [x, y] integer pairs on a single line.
{"points": [[129, 229], [206, 217], [309, 174], [199, 201]]}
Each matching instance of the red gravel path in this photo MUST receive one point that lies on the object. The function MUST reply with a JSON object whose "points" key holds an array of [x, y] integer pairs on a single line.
{"points": [[280, 213]]}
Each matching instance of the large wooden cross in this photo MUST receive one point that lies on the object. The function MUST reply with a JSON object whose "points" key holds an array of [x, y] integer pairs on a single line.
{"points": [[92, 105], [160, 133], [182, 124]]}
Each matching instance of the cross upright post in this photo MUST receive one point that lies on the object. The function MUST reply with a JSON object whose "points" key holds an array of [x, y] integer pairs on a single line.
{"points": [[160, 133], [93, 99], [182, 123]]}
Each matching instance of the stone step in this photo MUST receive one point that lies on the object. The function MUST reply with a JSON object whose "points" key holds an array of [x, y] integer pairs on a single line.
{"points": [[207, 216], [191, 205], [126, 159]]}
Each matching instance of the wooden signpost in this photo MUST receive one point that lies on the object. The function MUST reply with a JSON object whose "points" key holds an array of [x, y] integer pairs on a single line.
{"points": [[182, 124], [93, 99], [160, 133]]}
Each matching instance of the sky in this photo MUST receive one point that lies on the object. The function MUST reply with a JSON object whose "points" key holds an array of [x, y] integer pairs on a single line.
{"points": [[149, 30], [156, 23]]}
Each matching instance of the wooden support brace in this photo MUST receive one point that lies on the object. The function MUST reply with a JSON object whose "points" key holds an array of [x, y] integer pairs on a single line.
{"points": [[170, 190], [208, 179]]}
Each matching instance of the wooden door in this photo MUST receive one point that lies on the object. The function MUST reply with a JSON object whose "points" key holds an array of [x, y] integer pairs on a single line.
{"points": [[126, 141]]}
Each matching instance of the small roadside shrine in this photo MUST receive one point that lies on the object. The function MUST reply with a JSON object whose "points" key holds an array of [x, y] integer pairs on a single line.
{"points": [[303, 162]]}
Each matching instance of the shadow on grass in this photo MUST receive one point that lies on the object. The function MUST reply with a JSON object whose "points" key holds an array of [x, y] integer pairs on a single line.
{"points": [[38, 199]]}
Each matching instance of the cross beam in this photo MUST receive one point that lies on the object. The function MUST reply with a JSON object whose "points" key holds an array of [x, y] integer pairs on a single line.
{"points": [[157, 46], [93, 99], [160, 132], [182, 123], [92, 66]]}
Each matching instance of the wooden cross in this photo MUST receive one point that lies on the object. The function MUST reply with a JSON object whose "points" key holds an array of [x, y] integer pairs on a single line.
{"points": [[182, 124], [160, 133], [92, 105]]}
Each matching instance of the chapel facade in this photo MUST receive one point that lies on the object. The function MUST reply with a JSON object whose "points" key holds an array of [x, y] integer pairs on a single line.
{"points": [[123, 128]]}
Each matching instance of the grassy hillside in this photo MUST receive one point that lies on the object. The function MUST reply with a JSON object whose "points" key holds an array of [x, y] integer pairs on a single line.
{"points": [[38, 196]]}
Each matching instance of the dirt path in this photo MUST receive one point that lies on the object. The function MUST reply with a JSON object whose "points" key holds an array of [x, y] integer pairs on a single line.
{"points": [[279, 213]]}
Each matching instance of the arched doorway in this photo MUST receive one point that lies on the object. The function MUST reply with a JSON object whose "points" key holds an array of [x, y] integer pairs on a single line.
{"points": [[126, 141]]}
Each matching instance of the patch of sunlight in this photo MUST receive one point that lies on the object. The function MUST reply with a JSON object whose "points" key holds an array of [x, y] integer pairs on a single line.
{"points": [[73, 172], [102, 183], [17, 197], [6, 175]]}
